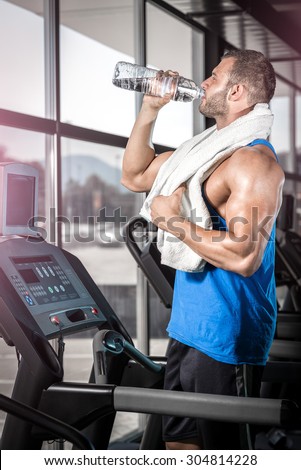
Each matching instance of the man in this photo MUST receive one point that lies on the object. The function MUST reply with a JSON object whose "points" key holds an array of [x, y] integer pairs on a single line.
{"points": [[223, 319]]}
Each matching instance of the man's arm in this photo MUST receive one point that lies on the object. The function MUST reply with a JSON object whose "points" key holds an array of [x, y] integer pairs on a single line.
{"points": [[255, 184], [140, 164]]}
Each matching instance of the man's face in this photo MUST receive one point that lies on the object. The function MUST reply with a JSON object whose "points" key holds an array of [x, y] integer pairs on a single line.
{"points": [[215, 102]]}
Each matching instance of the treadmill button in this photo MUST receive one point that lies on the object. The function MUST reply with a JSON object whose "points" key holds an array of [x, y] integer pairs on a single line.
{"points": [[55, 320], [29, 300]]}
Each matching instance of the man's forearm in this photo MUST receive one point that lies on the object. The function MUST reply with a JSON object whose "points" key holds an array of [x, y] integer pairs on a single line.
{"points": [[139, 152], [221, 248], [139, 164]]}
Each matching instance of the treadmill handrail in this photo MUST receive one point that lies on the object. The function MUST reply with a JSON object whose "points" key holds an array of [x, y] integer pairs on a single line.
{"points": [[261, 411], [266, 411]]}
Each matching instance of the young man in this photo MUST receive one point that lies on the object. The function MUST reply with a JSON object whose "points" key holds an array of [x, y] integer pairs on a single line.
{"points": [[223, 318]]}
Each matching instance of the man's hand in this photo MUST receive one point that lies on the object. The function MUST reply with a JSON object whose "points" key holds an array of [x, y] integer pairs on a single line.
{"points": [[154, 102], [166, 208]]}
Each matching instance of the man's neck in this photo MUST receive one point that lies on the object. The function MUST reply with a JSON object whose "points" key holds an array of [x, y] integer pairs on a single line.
{"points": [[224, 121]]}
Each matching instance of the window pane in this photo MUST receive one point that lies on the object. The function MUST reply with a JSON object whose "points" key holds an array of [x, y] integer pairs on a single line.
{"points": [[280, 136], [22, 58], [90, 48], [169, 46], [96, 207]]}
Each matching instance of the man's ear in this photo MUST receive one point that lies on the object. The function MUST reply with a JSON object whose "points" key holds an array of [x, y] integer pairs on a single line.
{"points": [[236, 92]]}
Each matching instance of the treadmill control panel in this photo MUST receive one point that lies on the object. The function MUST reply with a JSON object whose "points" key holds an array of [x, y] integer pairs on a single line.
{"points": [[41, 280], [49, 287]]}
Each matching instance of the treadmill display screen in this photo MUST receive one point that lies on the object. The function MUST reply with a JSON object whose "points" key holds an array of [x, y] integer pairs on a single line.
{"points": [[45, 280], [29, 276]]}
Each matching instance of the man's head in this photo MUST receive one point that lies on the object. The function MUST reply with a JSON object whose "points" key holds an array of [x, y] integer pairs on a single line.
{"points": [[242, 79], [255, 72]]}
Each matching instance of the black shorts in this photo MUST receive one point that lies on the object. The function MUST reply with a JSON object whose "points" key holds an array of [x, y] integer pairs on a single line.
{"points": [[190, 370]]}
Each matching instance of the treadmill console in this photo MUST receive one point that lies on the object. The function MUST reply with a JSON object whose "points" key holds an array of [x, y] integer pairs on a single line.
{"points": [[38, 273], [43, 278]]}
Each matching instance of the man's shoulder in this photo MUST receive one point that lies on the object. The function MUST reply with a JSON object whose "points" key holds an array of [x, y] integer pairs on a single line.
{"points": [[258, 161], [257, 155]]}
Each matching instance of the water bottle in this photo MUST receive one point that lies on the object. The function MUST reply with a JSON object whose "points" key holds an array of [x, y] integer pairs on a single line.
{"points": [[154, 82]]}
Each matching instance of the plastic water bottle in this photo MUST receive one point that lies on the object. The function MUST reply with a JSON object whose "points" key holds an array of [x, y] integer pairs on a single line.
{"points": [[154, 82]]}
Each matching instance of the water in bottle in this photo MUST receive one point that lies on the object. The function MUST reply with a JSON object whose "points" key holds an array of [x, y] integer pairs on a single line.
{"points": [[187, 90], [154, 82]]}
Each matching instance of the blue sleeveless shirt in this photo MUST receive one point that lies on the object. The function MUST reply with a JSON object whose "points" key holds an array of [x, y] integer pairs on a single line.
{"points": [[229, 317]]}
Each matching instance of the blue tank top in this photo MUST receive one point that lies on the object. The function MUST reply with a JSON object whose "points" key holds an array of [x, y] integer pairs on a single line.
{"points": [[229, 317]]}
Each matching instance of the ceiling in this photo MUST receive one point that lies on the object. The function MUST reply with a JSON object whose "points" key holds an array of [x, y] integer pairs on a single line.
{"points": [[270, 26]]}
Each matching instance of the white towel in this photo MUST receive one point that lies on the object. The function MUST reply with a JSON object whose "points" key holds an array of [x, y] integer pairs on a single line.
{"points": [[192, 163]]}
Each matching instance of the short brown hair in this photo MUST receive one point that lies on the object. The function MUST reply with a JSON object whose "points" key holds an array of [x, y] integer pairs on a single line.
{"points": [[255, 71]]}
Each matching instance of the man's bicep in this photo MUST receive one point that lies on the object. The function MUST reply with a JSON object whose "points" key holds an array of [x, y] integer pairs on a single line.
{"points": [[149, 175]]}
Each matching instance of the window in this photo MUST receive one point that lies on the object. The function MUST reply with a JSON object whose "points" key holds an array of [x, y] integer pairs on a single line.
{"points": [[22, 59], [89, 50], [280, 136], [170, 46], [286, 139], [95, 209]]}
